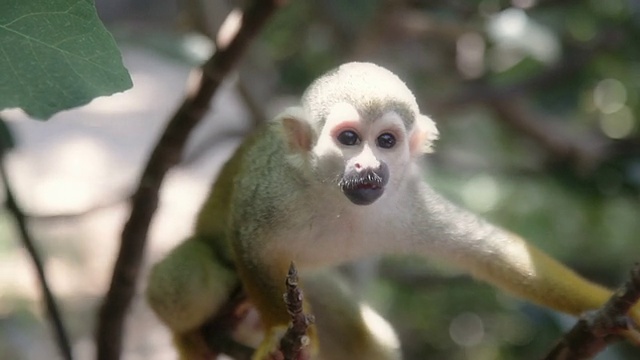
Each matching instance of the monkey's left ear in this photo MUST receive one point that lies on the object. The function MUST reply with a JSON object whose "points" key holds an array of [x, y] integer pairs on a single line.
{"points": [[296, 130], [423, 134]]}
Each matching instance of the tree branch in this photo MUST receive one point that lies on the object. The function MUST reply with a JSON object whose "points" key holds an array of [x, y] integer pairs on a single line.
{"points": [[293, 342], [595, 330], [166, 154], [60, 334], [295, 339]]}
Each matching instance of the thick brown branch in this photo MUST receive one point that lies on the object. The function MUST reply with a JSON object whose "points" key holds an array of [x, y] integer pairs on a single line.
{"points": [[166, 154], [594, 331]]}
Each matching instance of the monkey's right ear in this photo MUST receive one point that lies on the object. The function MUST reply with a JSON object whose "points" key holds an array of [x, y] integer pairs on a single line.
{"points": [[296, 130]]}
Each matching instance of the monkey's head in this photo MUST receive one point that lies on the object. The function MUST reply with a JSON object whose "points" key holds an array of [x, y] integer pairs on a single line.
{"points": [[361, 130]]}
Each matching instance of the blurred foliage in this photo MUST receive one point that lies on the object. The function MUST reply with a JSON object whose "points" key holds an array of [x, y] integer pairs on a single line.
{"points": [[560, 166]]}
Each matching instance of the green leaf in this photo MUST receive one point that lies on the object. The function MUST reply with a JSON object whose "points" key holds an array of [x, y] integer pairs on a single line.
{"points": [[55, 55]]}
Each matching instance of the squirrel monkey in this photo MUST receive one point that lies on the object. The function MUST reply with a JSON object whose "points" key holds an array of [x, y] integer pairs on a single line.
{"points": [[332, 181]]}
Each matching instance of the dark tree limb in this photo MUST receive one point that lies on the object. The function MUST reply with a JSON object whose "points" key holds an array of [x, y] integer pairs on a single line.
{"points": [[595, 330], [60, 334], [166, 154]]}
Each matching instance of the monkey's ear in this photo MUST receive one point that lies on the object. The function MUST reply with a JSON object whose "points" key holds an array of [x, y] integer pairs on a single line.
{"points": [[423, 134], [296, 130]]}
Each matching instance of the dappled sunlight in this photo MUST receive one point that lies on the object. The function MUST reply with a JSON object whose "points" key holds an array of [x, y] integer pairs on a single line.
{"points": [[609, 96], [69, 177], [467, 329], [616, 118], [516, 36], [198, 46], [618, 124], [481, 193]]}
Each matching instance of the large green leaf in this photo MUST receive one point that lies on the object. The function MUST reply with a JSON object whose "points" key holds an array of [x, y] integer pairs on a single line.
{"points": [[55, 55]]}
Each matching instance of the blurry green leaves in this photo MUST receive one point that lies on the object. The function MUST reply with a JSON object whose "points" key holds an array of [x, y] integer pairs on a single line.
{"points": [[55, 55]]}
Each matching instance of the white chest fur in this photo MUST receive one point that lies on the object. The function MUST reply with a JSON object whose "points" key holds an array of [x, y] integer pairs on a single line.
{"points": [[335, 233]]}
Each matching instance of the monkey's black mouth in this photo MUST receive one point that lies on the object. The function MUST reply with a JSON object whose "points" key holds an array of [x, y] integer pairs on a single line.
{"points": [[363, 188], [368, 186]]}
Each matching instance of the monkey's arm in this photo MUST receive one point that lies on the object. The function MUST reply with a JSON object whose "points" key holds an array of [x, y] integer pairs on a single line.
{"points": [[189, 285], [503, 258], [186, 288]]}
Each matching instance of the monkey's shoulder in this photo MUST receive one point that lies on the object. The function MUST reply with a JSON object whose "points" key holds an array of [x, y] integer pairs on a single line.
{"points": [[266, 182]]}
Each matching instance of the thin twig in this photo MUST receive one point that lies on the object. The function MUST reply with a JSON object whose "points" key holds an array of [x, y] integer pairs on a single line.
{"points": [[295, 338], [166, 154], [60, 334]]}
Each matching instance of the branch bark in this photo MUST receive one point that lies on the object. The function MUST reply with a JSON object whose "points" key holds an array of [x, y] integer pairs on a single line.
{"points": [[295, 339], [293, 342], [167, 153], [594, 331]]}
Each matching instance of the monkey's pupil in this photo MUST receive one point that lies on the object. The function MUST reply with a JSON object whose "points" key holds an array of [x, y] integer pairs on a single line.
{"points": [[348, 137], [386, 141]]}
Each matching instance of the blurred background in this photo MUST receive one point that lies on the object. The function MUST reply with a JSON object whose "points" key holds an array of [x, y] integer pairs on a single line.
{"points": [[537, 103]]}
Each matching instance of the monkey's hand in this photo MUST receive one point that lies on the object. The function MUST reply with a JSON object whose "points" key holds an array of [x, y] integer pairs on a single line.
{"points": [[270, 343]]}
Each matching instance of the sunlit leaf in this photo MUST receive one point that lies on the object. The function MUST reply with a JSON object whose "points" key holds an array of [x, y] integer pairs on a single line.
{"points": [[55, 55]]}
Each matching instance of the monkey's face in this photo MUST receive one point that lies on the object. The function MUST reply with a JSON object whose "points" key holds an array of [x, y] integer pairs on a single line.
{"points": [[369, 151]]}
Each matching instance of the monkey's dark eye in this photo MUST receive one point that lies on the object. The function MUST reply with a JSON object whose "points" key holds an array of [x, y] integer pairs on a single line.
{"points": [[386, 141], [348, 137]]}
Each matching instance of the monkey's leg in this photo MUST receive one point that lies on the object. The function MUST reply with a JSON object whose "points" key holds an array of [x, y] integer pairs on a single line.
{"points": [[186, 288], [347, 329]]}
